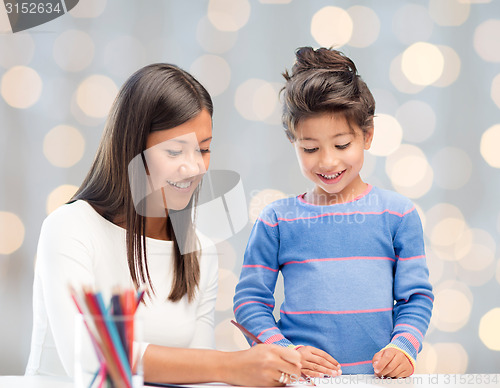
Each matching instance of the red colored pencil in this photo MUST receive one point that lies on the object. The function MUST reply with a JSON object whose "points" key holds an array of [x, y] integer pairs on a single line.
{"points": [[128, 312]]}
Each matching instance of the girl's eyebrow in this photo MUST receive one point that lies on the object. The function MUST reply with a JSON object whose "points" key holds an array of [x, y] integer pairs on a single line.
{"points": [[334, 136], [207, 139]]}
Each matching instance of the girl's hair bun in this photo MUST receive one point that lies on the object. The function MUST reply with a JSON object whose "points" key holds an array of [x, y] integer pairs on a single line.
{"points": [[325, 80], [329, 60]]}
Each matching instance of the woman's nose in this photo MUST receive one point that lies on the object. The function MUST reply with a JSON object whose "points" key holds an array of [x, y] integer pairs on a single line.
{"points": [[192, 165]]}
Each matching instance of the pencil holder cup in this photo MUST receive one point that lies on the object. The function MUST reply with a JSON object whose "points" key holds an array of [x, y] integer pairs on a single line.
{"points": [[108, 351]]}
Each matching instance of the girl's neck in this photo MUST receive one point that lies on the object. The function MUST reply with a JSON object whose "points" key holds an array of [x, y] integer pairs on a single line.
{"points": [[318, 196]]}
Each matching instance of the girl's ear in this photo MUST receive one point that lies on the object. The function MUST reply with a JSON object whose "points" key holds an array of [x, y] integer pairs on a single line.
{"points": [[368, 137]]}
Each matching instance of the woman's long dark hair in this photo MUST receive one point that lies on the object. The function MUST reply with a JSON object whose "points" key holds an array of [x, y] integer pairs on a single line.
{"points": [[157, 97]]}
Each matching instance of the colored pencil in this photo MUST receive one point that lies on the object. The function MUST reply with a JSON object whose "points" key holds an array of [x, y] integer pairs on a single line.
{"points": [[118, 376], [111, 330]]}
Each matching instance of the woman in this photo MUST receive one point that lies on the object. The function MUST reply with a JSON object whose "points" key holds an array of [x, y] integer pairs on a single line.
{"points": [[127, 225]]}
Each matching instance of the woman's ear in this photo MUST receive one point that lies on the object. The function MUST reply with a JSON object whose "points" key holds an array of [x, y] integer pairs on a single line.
{"points": [[368, 137]]}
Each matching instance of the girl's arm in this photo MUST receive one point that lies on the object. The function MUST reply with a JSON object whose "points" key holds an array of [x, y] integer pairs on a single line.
{"points": [[412, 289], [254, 295], [261, 365], [254, 299]]}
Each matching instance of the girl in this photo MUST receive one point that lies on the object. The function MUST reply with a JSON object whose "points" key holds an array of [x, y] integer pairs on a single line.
{"points": [[119, 229], [352, 255]]}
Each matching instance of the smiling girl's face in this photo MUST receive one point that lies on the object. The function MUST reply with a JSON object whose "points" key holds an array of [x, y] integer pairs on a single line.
{"points": [[330, 151], [177, 158]]}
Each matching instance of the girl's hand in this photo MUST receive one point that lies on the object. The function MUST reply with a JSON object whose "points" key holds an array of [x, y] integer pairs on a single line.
{"points": [[391, 362], [263, 365], [317, 363]]}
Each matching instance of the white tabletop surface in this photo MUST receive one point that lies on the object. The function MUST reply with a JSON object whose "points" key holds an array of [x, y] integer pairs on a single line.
{"points": [[421, 381], [35, 382]]}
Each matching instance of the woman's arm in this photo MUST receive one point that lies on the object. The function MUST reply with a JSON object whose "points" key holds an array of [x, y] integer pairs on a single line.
{"points": [[63, 259], [261, 365]]}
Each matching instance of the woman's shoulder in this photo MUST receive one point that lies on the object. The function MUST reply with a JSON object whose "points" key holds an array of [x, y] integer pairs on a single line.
{"points": [[70, 211], [69, 231], [207, 246], [74, 216]]}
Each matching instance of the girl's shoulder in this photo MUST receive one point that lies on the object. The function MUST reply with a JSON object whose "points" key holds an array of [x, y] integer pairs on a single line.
{"points": [[389, 200], [279, 207]]}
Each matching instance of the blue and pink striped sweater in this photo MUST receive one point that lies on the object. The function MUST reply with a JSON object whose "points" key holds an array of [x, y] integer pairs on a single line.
{"points": [[355, 277]]}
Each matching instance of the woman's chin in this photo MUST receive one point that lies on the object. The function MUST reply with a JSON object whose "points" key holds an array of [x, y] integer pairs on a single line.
{"points": [[177, 206]]}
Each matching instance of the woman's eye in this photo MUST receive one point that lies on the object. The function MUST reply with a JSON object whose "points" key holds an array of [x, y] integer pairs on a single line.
{"points": [[310, 150], [173, 153], [204, 151], [343, 146]]}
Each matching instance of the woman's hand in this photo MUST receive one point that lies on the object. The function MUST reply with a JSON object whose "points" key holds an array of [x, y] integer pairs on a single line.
{"points": [[317, 363], [393, 363], [262, 365]]}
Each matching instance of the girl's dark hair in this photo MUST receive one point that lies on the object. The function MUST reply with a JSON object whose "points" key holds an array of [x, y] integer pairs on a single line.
{"points": [[325, 81], [156, 97]]}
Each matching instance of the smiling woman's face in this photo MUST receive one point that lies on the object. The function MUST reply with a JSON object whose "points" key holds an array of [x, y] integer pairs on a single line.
{"points": [[177, 158]]}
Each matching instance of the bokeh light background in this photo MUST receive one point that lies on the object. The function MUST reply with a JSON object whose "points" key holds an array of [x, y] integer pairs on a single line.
{"points": [[433, 67]]}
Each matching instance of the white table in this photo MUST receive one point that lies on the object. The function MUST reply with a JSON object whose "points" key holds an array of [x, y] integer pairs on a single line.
{"points": [[415, 381], [35, 382]]}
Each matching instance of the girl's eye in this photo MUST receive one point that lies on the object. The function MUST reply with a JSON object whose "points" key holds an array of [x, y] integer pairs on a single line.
{"points": [[173, 153], [204, 151], [310, 150], [342, 146]]}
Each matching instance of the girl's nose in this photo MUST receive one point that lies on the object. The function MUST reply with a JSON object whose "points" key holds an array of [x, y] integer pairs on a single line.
{"points": [[328, 159]]}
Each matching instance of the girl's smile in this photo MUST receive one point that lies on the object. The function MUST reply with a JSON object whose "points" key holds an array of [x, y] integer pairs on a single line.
{"points": [[331, 178]]}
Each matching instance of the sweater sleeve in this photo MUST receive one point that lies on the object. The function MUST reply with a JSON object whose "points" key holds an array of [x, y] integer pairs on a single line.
{"points": [[254, 297], [412, 289]]}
